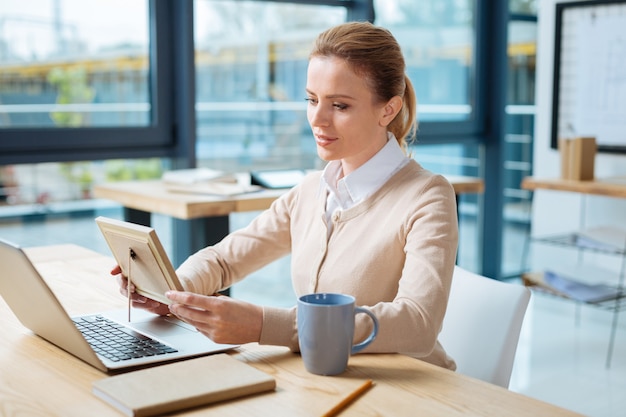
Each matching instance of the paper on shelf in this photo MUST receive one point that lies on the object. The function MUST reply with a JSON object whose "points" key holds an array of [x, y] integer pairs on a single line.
{"points": [[602, 238], [577, 289]]}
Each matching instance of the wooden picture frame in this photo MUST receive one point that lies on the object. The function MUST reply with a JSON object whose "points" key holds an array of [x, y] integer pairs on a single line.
{"points": [[141, 256]]}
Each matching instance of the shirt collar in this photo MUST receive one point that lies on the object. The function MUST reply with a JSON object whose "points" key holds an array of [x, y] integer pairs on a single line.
{"points": [[369, 177]]}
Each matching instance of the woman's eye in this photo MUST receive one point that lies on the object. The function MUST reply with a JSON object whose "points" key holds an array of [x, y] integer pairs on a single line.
{"points": [[314, 102]]}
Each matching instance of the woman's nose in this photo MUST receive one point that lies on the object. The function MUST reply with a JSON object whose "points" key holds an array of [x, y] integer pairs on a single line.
{"points": [[317, 116]]}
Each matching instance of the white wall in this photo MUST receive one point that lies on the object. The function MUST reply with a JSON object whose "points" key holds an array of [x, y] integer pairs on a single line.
{"points": [[556, 212]]}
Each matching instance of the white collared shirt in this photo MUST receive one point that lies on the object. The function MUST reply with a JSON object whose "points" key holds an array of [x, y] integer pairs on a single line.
{"points": [[348, 191]]}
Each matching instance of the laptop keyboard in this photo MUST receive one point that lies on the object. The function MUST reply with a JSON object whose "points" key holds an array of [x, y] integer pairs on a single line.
{"points": [[116, 342]]}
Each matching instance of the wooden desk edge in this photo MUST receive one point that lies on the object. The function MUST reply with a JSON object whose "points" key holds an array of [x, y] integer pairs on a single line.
{"points": [[179, 205]]}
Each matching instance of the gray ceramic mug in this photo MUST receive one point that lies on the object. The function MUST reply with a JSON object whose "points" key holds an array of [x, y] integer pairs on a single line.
{"points": [[326, 331]]}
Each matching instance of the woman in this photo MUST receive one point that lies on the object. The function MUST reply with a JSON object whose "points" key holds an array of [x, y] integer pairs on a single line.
{"points": [[373, 224]]}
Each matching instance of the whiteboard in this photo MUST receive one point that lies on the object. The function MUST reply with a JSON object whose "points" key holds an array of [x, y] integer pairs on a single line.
{"points": [[590, 73]]}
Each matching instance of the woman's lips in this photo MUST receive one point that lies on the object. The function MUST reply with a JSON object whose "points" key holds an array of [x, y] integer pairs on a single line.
{"points": [[322, 140]]}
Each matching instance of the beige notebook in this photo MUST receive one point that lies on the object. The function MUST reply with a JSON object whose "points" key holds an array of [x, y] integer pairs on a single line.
{"points": [[180, 385]]}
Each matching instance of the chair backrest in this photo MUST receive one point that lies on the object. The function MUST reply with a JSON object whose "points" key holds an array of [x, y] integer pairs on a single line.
{"points": [[482, 325]]}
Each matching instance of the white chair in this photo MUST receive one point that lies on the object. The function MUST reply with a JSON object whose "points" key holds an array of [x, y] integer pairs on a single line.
{"points": [[482, 325]]}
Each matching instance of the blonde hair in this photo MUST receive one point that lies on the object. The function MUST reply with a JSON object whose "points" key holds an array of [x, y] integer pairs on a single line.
{"points": [[373, 53]]}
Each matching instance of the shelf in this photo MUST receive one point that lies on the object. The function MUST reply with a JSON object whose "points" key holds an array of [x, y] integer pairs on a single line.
{"points": [[605, 187], [600, 239], [608, 240]]}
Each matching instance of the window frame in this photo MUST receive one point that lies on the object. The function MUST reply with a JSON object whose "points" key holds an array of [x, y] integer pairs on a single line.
{"points": [[62, 144]]}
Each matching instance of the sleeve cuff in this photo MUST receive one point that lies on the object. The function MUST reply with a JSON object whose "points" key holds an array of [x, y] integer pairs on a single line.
{"points": [[280, 328]]}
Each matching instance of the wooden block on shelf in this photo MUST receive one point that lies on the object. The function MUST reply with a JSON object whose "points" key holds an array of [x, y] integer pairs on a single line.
{"points": [[582, 159], [577, 158]]}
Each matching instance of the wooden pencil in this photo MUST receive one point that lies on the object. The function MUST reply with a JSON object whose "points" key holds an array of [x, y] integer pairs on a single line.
{"points": [[348, 399]]}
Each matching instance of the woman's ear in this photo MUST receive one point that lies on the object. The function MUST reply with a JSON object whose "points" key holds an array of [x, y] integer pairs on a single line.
{"points": [[390, 110]]}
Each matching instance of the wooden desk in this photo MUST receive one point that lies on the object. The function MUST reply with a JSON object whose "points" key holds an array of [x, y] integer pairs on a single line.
{"points": [[205, 217], [36, 378]]}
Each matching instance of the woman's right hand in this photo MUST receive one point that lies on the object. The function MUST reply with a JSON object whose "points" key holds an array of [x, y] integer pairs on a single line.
{"points": [[139, 300]]}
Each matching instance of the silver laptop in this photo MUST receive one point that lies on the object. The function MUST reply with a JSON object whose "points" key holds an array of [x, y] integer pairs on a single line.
{"points": [[106, 340]]}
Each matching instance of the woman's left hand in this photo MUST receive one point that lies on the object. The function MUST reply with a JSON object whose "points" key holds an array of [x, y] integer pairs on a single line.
{"points": [[220, 318]]}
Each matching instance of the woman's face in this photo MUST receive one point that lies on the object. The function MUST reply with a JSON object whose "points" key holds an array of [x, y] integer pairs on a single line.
{"points": [[347, 123]]}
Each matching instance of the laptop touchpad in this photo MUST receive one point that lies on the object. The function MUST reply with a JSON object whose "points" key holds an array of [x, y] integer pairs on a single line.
{"points": [[163, 326]]}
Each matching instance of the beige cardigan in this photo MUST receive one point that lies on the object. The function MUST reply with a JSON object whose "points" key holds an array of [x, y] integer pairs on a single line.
{"points": [[394, 252]]}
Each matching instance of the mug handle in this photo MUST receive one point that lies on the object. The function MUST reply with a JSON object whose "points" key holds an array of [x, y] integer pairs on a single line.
{"points": [[360, 346]]}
